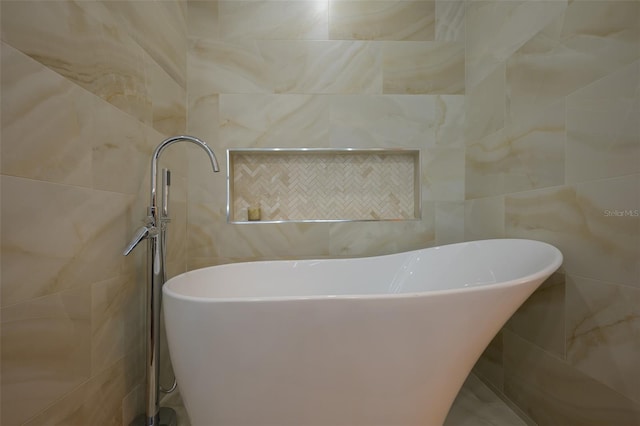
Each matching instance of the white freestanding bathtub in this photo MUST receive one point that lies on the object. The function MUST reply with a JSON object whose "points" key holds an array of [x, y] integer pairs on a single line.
{"points": [[376, 341]]}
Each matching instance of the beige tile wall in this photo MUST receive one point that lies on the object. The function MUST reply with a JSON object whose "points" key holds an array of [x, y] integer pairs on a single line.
{"points": [[553, 155], [327, 75], [88, 90], [525, 112]]}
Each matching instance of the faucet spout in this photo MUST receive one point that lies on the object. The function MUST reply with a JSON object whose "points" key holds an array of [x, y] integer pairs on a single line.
{"points": [[156, 156]]}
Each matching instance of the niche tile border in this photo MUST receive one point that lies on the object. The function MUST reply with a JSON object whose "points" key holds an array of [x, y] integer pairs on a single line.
{"points": [[275, 185]]}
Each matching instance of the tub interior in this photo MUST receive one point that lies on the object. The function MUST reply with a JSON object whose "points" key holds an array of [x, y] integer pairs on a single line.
{"points": [[450, 267]]}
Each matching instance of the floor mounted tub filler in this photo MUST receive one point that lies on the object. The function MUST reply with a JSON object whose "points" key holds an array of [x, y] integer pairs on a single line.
{"points": [[375, 341]]}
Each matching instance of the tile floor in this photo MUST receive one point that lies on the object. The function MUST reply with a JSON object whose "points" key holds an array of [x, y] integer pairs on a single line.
{"points": [[476, 405]]}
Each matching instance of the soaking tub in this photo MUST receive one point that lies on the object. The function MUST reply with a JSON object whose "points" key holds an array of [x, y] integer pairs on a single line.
{"points": [[374, 341]]}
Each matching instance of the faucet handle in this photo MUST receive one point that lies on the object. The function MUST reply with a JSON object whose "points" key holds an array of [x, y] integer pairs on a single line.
{"points": [[141, 234]]}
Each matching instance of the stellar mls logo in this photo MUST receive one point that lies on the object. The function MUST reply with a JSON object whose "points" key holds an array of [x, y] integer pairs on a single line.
{"points": [[621, 213]]}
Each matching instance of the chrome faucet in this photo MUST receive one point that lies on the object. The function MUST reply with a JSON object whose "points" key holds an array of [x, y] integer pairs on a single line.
{"points": [[154, 231], [156, 155], [152, 220]]}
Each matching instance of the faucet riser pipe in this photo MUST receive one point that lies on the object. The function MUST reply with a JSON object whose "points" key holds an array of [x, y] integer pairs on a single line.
{"points": [[153, 327], [154, 414]]}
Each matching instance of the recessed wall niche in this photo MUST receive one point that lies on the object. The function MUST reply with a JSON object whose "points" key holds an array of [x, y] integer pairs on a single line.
{"points": [[325, 185]]}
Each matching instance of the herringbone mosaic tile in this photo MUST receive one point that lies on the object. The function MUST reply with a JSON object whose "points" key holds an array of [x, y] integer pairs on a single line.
{"points": [[324, 186]]}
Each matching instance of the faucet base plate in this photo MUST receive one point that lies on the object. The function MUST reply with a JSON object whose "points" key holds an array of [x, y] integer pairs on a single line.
{"points": [[166, 417]]}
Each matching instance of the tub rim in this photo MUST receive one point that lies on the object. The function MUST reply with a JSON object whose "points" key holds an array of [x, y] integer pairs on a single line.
{"points": [[544, 272]]}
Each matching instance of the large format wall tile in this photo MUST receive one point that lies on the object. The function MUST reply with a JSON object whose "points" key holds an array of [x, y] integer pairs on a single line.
{"points": [[588, 41], [603, 130], [177, 237], [272, 242], [273, 20], [76, 240], [443, 174], [202, 119], [210, 237], [610, 208], [450, 20], [490, 366], [99, 11], [603, 333], [117, 320], [97, 401], [121, 151], [382, 20], [322, 67], [484, 218], [133, 404], [205, 223], [541, 319], [485, 106], [168, 99], [202, 20], [450, 118], [423, 67], [285, 66], [524, 155], [203, 186], [397, 121], [59, 35], [496, 29], [160, 29], [583, 223], [449, 222], [273, 121], [384, 121], [46, 351], [124, 62], [55, 149], [238, 67], [348, 239], [100, 58]]}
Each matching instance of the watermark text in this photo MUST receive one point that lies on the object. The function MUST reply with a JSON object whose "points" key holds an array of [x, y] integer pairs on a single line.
{"points": [[621, 213]]}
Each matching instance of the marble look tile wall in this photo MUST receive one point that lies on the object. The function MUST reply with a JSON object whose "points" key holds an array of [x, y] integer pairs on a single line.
{"points": [[326, 74], [525, 112], [554, 156], [88, 90]]}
